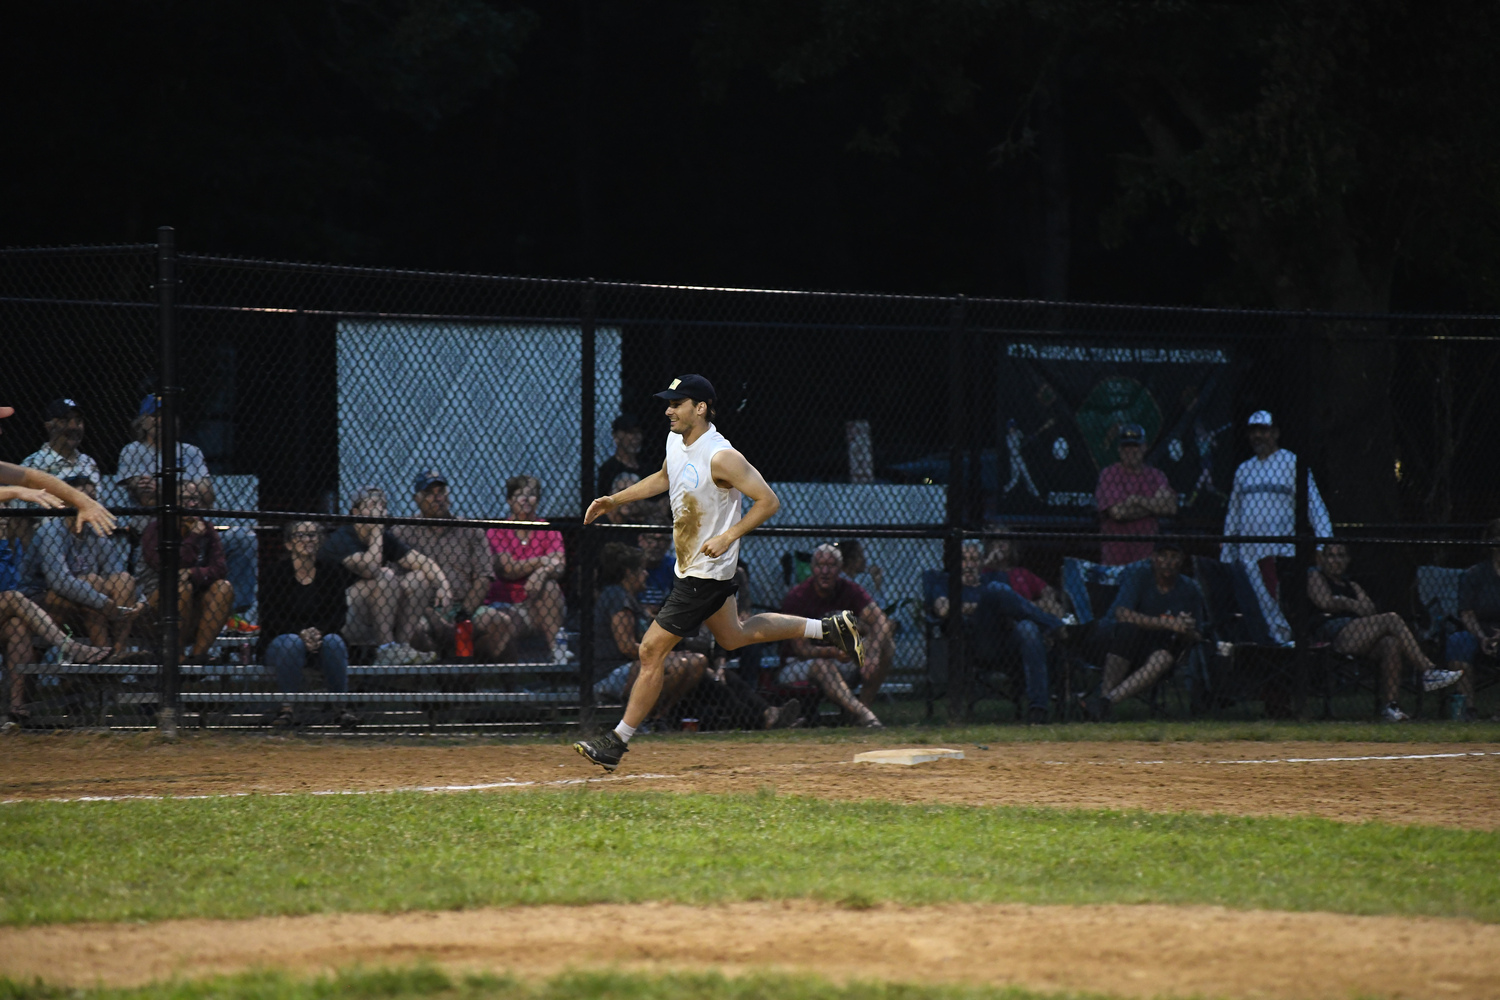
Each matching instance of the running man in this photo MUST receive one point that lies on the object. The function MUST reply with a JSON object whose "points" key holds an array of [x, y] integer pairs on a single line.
{"points": [[704, 477]]}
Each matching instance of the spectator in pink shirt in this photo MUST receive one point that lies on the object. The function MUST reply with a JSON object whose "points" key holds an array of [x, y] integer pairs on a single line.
{"points": [[528, 565], [1130, 497]]}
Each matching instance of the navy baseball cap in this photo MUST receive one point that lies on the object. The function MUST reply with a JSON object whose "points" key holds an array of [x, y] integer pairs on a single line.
{"points": [[427, 480], [59, 409], [689, 387], [150, 404], [1168, 544], [1132, 434], [625, 422]]}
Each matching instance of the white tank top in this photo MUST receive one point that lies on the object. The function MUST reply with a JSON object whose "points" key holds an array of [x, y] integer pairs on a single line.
{"points": [[701, 509]]}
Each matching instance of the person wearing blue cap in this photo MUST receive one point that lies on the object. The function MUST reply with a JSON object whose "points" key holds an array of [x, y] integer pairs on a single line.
{"points": [[60, 456], [705, 479], [140, 460]]}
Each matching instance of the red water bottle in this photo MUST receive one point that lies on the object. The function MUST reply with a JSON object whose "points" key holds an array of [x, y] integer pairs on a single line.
{"points": [[463, 636]]}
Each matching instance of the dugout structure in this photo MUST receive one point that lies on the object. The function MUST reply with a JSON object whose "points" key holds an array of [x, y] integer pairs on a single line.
{"points": [[910, 424]]}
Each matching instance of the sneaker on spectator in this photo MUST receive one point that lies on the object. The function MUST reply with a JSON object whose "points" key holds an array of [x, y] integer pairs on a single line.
{"points": [[1436, 680], [400, 654], [348, 719], [1393, 713]]}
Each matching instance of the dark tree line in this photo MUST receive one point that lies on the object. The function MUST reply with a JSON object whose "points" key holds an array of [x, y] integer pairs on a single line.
{"points": [[1297, 154]]}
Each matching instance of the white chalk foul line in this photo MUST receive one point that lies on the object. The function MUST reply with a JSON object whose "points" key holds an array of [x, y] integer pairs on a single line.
{"points": [[362, 791], [1294, 760]]}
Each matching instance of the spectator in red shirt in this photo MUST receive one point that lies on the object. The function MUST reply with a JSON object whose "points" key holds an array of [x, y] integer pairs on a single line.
{"points": [[1130, 497], [528, 565], [204, 594], [824, 593], [1000, 558]]}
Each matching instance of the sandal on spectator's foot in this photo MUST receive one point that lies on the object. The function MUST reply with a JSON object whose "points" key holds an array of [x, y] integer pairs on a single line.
{"points": [[348, 719], [786, 716], [73, 651], [285, 719]]}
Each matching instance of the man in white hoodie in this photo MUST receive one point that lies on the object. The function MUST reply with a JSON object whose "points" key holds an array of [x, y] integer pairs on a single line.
{"points": [[1264, 502]]}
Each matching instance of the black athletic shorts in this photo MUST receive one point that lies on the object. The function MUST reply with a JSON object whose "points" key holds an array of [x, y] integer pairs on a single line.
{"points": [[692, 602], [1135, 643]]}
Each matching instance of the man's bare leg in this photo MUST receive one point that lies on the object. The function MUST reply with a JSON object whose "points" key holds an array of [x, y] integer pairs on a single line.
{"points": [[214, 605], [1157, 664], [493, 631], [825, 673], [647, 690], [875, 669], [731, 633], [374, 602], [17, 640]]}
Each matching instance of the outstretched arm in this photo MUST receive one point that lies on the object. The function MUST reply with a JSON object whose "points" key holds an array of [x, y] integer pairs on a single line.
{"points": [[644, 489], [90, 512], [731, 471]]}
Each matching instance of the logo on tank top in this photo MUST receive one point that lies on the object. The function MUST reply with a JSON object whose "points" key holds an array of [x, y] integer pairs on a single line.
{"points": [[690, 475]]}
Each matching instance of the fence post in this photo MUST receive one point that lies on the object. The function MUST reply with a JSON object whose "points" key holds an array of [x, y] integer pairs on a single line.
{"points": [[166, 500], [1298, 603], [953, 625], [586, 558]]}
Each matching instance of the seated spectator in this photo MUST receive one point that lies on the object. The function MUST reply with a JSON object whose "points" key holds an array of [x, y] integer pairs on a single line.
{"points": [[1157, 616], [528, 565], [383, 607], [1130, 498], [825, 593], [618, 628], [1479, 610], [1000, 564], [80, 578], [627, 434], [1348, 620], [241, 552], [464, 556], [1007, 622], [627, 513], [21, 622], [204, 595], [868, 576], [661, 569], [60, 456], [303, 607], [141, 458]]}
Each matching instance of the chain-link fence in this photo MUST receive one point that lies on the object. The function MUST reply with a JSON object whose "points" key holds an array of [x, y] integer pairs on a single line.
{"points": [[1119, 494]]}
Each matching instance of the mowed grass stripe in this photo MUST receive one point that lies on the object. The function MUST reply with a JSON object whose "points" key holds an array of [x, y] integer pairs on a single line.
{"points": [[257, 855], [428, 983]]}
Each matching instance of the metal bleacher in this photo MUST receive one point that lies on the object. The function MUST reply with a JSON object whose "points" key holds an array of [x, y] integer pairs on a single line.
{"points": [[420, 697]]}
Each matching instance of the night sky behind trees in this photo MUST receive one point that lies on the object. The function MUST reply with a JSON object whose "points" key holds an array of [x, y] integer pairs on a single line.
{"points": [[1299, 155]]}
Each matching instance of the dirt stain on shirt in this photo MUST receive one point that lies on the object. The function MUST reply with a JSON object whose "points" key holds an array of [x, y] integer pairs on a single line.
{"points": [[685, 529]]}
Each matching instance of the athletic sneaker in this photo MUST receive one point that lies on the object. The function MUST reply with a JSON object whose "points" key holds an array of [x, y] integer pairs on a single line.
{"points": [[1436, 680], [400, 654], [1393, 713], [843, 632], [605, 750]]}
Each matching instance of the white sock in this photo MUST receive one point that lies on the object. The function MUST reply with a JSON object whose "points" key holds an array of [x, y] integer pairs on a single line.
{"points": [[624, 732], [813, 629]]}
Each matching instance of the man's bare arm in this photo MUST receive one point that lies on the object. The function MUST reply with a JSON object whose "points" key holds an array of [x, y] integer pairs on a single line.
{"points": [[643, 489], [730, 470], [90, 511]]}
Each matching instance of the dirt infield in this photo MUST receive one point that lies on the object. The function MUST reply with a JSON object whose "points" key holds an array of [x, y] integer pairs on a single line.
{"points": [[1435, 784], [1136, 951]]}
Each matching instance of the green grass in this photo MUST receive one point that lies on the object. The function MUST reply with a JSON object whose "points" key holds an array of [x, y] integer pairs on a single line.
{"points": [[257, 855], [426, 983]]}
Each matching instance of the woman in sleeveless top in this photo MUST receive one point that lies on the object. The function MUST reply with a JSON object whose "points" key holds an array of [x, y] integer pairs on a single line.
{"points": [[1350, 622]]}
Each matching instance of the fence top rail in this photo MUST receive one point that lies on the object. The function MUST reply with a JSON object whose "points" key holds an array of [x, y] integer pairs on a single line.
{"points": [[79, 248], [825, 294]]}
